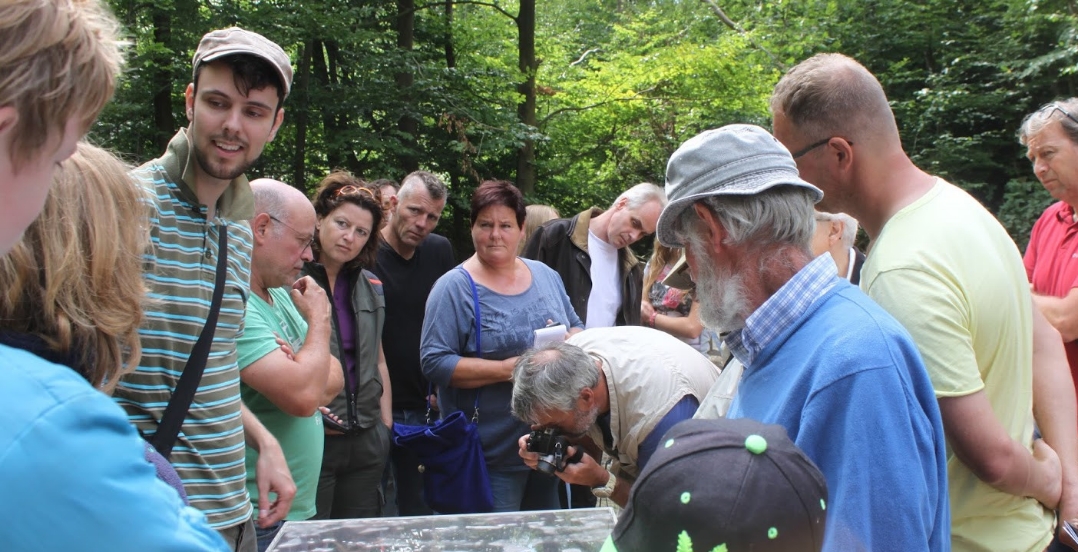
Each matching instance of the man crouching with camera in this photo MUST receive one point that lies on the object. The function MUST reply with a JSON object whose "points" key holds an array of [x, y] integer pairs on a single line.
{"points": [[612, 389]]}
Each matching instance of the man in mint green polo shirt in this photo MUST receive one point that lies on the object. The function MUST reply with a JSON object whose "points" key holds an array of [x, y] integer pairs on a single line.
{"points": [[286, 368]]}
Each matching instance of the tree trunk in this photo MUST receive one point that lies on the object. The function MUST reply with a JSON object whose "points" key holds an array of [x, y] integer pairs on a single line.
{"points": [[526, 109], [302, 92], [322, 75], [450, 52], [164, 122], [407, 124]]}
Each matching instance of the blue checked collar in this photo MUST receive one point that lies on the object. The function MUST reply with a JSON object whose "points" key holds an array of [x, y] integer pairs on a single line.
{"points": [[782, 309]]}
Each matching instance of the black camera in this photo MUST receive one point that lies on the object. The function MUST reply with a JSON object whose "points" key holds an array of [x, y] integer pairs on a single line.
{"points": [[553, 448]]}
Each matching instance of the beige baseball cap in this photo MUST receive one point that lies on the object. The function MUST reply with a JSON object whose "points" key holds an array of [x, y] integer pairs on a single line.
{"points": [[234, 40]]}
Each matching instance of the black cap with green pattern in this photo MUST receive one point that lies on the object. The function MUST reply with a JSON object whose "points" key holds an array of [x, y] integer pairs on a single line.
{"points": [[724, 486]]}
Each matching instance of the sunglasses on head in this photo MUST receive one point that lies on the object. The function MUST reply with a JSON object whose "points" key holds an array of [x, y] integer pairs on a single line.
{"points": [[1053, 107], [355, 190]]}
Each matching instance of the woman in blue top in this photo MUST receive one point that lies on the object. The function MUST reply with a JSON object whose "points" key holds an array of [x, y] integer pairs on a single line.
{"points": [[516, 297]]}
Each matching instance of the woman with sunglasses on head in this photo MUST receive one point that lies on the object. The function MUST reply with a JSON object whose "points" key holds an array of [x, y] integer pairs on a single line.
{"points": [[358, 421]]}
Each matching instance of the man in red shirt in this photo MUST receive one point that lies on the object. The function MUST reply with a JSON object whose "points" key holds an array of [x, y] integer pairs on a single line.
{"points": [[1051, 136]]}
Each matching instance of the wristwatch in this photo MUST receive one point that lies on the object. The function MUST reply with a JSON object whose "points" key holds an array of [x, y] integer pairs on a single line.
{"points": [[604, 491]]}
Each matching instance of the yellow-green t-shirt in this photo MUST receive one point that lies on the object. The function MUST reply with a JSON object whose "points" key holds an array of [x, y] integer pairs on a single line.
{"points": [[948, 271]]}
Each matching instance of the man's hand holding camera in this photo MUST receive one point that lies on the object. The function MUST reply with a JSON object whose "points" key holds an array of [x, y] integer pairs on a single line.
{"points": [[549, 452]]}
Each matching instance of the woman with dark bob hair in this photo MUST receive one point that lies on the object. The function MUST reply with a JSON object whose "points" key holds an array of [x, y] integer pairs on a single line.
{"points": [[357, 422], [516, 297]]}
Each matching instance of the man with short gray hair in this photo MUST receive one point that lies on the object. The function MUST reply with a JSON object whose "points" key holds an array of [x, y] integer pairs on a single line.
{"points": [[603, 278], [835, 233], [591, 253], [411, 258], [284, 386], [1051, 260], [853, 395], [618, 389]]}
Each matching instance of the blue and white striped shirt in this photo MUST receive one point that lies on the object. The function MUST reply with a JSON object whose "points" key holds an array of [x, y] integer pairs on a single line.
{"points": [[180, 269]]}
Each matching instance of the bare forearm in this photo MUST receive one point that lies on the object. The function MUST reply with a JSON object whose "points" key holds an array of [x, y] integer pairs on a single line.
{"points": [[984, 446], [1055, 408], [680, 326], [1059, 315], [256, 434], [334, 381], [600, 475], [620, 496], [477, 372], [319, 376], [1011, 468], [386, 401], [1020, 476]]}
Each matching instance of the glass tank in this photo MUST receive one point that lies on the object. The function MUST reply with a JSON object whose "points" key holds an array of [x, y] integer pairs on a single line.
{"points": [[581, 530]]}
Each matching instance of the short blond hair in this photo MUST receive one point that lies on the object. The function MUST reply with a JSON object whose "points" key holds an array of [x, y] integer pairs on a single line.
{"points": [[76, 278], [59, 59], [833, 95]]}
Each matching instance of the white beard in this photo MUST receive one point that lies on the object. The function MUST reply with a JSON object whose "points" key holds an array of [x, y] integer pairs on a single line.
{"points": [[722, 296]]}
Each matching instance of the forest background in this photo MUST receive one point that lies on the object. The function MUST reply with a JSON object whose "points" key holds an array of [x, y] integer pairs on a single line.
{"points": [[576, 100]]}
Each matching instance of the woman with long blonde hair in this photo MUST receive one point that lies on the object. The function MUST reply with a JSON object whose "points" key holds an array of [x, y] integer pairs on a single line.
{"points": [[534, 217], [74, 471], [74, 283], [672, 310]]}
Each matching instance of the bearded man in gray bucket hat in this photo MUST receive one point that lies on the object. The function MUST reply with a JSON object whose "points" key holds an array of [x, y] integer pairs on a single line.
{"points": [[821, 359]]}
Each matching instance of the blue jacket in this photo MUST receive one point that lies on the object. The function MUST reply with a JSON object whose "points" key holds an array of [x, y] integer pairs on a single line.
{"points": [[72, 471], [847, 383]]}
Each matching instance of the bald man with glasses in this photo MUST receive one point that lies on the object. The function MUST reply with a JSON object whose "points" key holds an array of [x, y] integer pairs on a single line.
{"points": [[286, 368]]}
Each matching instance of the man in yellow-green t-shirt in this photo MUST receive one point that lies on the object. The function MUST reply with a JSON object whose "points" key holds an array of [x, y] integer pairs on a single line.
{"points": [[946, 269]]}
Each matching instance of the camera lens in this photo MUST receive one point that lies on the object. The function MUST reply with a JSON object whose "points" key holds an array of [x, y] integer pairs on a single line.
{"points": [[546, 464]]}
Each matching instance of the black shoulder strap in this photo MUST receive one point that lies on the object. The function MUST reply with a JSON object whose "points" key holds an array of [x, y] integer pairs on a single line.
{"points": [[176, 411]]}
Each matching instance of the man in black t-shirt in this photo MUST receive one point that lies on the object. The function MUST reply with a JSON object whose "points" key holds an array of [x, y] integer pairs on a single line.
{"points": [[410, 260]]}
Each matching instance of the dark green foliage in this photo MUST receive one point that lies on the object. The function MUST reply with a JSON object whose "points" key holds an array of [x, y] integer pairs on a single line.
{"points": [[1023, 202], [619, 85]]}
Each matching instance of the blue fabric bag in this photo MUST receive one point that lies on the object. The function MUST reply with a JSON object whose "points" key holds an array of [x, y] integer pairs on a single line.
{"points": [[455, 478]]}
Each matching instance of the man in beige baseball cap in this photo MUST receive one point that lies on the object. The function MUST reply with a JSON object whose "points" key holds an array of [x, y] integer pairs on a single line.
{"points": [[198, 191], [236, 41]]}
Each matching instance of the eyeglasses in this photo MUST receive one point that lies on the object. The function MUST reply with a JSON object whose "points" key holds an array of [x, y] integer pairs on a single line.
{"points": [[1054, 106], [814, 145], [307, 242], [353, 190]]}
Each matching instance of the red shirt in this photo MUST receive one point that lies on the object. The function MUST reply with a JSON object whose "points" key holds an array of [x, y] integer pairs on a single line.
{"points": [[1052, 261]]}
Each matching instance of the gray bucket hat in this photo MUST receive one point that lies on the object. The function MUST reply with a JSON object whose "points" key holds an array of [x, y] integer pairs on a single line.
{"points": [[732, 160], [234, 40]]}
